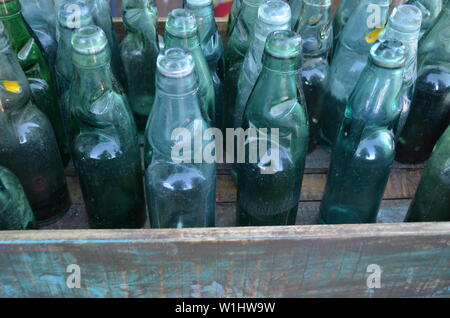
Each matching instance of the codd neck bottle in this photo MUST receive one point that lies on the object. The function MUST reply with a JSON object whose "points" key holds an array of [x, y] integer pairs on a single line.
{"points": [[212, 46], [404, 25], [139, 51], [27, 142], [180, 187], [36, 68], [38, 15], [430, 105], [364, 151], [316, 29], [105, 142], [272, 15], [15, 211], [64, 67], [238, 43], [343, 12], [432, 200], [350, 58], [234, 11], [269, 180], [296, 9], [430, 12], [182, 31]]}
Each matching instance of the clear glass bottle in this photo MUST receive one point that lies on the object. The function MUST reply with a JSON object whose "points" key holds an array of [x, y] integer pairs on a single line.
{"points": [[296, 9], [364, 151], [430, 105], [64, 67], [182, 31], [27, 142], [349, 60], [432, 200], [15, 211], [105, 142], [139, 51], [404, 25], [270, 179], [430, 12], [180, 189], [212, 46], [316, 29], [33, 62]]}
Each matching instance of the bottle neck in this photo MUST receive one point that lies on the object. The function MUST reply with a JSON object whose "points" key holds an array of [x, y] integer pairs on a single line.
{"points": [[205, 21], [188, 42], [17, 28], [93, 75], [281, 66]]}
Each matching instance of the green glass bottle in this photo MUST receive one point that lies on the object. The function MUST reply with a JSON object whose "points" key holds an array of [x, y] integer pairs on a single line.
{"points": [[234, 11], [36, 68], [430, 12], [180, 186], [64, 67], [349, 60], [364, 151], [27, 142], [139, 51], [296, 9], [316, 29], [430, 105], [182, 31], [15, 211], [272, 15], [432, 200], [105, 142], [239, 40], [343, 12], [38, 15], [404, 25], [270, 178], [212, 46]]}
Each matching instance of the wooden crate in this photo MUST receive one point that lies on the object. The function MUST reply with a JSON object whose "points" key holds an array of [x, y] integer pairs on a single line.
{"points": [[291, 261]]}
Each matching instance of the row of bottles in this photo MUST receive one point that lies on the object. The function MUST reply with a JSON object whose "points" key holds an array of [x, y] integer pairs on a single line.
{"points": [[274, 76]]}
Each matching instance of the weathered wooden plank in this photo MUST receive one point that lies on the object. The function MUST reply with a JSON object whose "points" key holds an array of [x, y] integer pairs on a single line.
{"points": [[322, 261]]}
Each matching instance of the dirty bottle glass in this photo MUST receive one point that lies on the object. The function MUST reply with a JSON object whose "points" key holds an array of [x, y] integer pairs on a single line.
{"points": [[33, 62], [404, 25], [180, 181], [38, 15], [316, 29], [343, 12], [430, 12], [27, 142], [182, 31], [15, 211], [270, 176], [432, 200], [364, 151], [350, 58], [272, 15], [239, 40], [105, 142], [64, 67], [296, 9], [139, 51], [430, 105], [212, 46]]}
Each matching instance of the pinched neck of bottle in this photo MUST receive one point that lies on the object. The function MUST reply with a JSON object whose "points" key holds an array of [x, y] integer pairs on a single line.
{"points": [[9, 8], [205, 19], [282, 52], [190, 42], [404, 24]]}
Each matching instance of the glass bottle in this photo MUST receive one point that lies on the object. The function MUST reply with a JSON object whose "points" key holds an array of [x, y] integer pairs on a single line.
{"points": [[343, 12], [212, 46], [64, 67], [27, 142], [238, 44], [432, 200], [430, 12], [296, 9], [105, 142], [272, 15], [180, 188], [43, 24], [316, 29], [404, 25], [430, 105], [182, 31], [15, 211], [139, 50], [364, 151], [270, 178], [349, 60], [36, 68], [234, 11]]}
